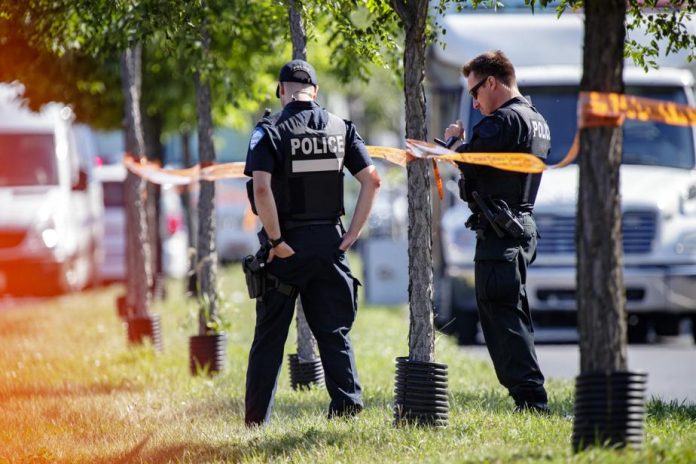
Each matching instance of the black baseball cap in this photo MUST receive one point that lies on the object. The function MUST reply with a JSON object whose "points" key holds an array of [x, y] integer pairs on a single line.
{"points": [[297, 71]]}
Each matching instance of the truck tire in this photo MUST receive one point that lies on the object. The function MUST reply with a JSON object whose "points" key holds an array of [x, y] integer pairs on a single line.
{"points": [[693, 327], [666, 325], [637, 327]]}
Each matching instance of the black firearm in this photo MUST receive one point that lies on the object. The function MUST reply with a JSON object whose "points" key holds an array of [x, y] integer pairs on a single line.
{"points": [[258, 279], [447, 144], [254, 267], [500, 217]]}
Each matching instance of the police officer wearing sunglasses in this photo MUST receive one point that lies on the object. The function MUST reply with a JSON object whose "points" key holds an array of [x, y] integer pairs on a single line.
{"points": [[510, 124], [296, 159]]}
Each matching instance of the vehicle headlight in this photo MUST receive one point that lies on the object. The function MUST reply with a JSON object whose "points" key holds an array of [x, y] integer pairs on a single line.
{"points": [[49, 237], [686, 245], [43, 235]]}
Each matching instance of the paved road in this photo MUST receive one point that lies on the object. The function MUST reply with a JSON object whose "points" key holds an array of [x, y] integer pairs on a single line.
{"points": [[671, 365]]}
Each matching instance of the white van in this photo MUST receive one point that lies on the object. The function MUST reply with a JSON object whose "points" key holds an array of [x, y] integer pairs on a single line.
{"points": [[658, 192], [51, 214]]}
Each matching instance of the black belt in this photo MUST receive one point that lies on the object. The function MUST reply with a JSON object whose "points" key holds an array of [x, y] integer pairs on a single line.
{"points": [[294, 224]]}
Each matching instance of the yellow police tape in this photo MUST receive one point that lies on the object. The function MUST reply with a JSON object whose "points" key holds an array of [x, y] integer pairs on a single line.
{"points": [[594, 109], [152, 172]]}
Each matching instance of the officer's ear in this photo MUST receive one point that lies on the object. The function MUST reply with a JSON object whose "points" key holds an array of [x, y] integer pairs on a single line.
{"points": [[316, 92]]}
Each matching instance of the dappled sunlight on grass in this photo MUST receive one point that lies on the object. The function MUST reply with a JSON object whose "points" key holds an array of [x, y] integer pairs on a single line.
{"points": [[71, 390]]}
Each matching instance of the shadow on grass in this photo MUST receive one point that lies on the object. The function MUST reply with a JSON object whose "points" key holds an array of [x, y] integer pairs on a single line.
{"points": [[222, 407], [191, 452], [268, 446], [285, 445], [24, 392]]}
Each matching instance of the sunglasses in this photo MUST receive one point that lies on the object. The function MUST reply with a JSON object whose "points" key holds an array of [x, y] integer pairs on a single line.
{"points": [[474, 90]]}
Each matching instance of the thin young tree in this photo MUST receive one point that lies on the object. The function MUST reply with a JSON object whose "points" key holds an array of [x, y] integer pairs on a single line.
{"points": [[306, 343], [139, 269], [414, 17]]}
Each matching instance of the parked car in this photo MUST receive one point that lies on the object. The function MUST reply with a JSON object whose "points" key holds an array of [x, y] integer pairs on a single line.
{"points": [[51, 213], [174, 241]]}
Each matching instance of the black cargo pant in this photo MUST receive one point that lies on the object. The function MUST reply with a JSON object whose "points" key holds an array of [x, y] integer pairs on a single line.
{"points": [[500, 276], [328, 290]]}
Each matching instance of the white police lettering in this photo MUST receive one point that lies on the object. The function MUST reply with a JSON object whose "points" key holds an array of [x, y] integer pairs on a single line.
{"points": [[540, 129], [332, 144]]}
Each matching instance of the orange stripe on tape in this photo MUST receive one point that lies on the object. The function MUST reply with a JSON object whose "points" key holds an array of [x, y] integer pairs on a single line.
{"points": [[610, 109], [393, 155], [595, 109]]}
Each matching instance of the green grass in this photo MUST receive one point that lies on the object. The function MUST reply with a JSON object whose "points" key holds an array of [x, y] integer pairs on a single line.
{"points": [[71, 390]]}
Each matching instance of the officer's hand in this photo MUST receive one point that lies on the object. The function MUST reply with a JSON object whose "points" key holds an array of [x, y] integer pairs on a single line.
{"points": [[282, 251], [346, 243], [455, 130]]}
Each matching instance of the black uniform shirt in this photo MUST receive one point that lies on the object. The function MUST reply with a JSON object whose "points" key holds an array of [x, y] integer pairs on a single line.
{"points": [[264, 152], [502, 131], [505, 131]]}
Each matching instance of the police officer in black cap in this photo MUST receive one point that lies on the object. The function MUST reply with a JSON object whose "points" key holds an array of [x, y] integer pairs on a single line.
{"points": [[296, 159], [510, 124]]}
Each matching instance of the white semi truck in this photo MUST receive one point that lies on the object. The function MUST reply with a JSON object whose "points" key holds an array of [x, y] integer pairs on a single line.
{"points": [[658, 183]]}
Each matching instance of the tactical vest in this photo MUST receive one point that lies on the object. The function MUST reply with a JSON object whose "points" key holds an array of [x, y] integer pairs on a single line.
{"points": [[311, 185], [518, 190]]}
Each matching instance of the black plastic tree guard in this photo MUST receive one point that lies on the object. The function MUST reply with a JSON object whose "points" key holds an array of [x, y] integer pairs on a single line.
{"points": [[208, 353], [304, 374], [141, 328], [421, 393], [609, 409]]}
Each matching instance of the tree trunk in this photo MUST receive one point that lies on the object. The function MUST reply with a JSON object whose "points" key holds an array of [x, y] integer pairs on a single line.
{"points": [[189, 217], [297, 31], [139, 274], [306, 344], [414, 14], [600, 295], [206, 255], [155, 153]]}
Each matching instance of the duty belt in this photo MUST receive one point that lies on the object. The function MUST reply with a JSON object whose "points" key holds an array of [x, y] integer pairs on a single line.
{"points": [[294, 224]]}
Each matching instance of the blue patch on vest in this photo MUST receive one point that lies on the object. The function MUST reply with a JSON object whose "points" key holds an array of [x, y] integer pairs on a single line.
{"points": [[256, 137], [488, 129]]}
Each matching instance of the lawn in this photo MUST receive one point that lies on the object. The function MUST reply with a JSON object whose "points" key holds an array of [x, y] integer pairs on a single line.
{"points": [[71, 390]]}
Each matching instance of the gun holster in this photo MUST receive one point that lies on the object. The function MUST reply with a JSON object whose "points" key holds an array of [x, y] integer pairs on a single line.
{"points": [[259, 280], [255, 275], [500, 217], [506, 220]]}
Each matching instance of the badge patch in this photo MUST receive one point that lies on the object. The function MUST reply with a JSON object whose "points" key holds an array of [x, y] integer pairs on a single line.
{"points": [[256, 137]]}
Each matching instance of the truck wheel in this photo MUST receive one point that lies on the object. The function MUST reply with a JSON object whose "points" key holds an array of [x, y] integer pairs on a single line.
{"points": [[637, 329], [693, 327], [666, 325], [467, 327]]}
